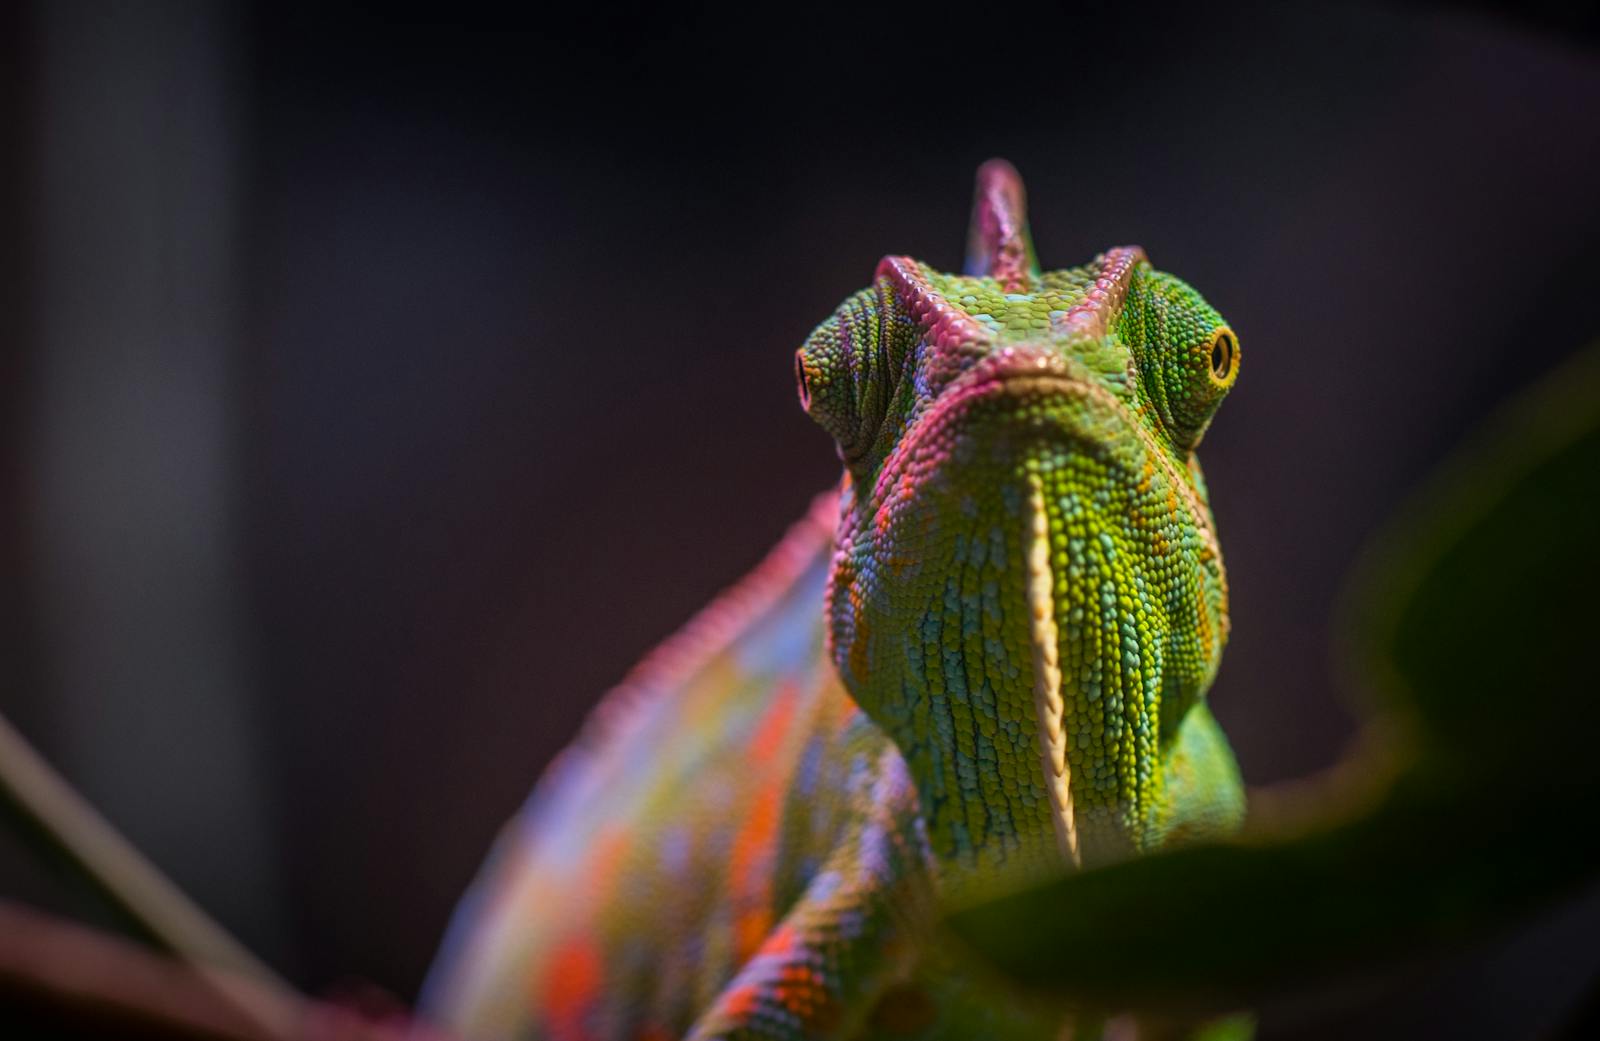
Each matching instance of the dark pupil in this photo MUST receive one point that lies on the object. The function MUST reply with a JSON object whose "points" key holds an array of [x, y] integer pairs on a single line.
{"points": [[805, 385], [1221, 356]]}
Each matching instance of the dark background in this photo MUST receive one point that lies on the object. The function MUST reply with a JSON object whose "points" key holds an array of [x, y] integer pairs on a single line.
{"points": [[378, 386]]}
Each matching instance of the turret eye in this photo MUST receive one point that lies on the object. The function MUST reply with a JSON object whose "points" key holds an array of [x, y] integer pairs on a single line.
{"points": [[801, 380], [1224, 351]]}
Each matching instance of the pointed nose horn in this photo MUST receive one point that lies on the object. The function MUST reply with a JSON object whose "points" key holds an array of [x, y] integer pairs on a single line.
{"points": [[997, 240]]}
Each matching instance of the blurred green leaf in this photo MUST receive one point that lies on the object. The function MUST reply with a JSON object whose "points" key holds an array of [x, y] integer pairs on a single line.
{"points": [[1474, 624]]}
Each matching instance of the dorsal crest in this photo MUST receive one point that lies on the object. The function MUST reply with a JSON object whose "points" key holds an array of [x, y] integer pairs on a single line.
{"points": [[1075, 303], [998, 244]]}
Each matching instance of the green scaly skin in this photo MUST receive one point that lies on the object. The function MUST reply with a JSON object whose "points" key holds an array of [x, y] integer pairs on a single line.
{"points": [[1024, 599]]}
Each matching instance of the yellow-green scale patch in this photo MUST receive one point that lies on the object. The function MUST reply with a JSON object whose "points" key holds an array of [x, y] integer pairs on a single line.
{"points": [[985, 791], [1016, 316]]}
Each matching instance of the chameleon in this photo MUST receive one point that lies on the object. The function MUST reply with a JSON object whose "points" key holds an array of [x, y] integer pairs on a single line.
{"points": [[980, 660]]}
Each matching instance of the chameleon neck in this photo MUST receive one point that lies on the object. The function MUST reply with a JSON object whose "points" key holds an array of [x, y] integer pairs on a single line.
{"points": [[984, 824], [958, 697], [1033, 659]]}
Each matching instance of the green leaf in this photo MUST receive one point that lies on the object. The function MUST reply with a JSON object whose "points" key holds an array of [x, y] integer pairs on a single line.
{"points": [[1475, 624]]}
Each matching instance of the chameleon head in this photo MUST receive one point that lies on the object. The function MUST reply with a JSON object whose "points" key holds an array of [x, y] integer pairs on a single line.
{"points": [[1027, 593]]}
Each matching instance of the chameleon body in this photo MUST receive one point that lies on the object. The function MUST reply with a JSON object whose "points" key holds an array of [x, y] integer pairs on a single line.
{"points": [[981, 660]]}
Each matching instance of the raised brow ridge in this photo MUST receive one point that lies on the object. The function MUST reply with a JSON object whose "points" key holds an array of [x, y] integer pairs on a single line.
{"points": [[947, 324], [1104, 299]]}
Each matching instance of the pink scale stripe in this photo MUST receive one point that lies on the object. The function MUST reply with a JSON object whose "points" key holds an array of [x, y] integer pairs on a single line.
{"points": [[1092, 315]]}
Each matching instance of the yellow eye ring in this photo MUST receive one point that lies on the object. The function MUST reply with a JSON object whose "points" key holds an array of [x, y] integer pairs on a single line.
{"points": [[1224, 356]]}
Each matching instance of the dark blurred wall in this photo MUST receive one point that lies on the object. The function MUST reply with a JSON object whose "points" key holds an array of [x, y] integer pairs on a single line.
{"points": [[510, 393], [15, 616], [133, 461]]}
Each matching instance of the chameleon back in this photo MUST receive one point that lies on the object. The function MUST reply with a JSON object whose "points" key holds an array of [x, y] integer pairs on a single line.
{"points": [[651, 860]]}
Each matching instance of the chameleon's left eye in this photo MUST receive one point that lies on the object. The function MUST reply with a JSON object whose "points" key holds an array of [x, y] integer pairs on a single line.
{"points": [[1187, 357], [1189, 379], [1224, 356]]}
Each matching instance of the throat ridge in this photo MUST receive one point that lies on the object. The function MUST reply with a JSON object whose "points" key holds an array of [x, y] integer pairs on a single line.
{"points": [[1047, 703]]}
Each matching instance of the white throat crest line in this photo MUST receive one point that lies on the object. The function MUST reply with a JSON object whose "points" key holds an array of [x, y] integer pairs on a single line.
{"points": [[1047, 704]]}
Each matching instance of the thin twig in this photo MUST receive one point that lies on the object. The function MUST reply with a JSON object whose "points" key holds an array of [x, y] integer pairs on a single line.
{"points": [[47, 805]]}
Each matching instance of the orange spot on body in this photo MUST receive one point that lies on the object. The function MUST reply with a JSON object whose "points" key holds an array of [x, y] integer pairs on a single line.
{"points": [[749, 930], [750, 872], [755, 844], [802, 991], [782, 938], [863, 633], [570, 986], [774, 726], [1147, 474], [741, 1001]]}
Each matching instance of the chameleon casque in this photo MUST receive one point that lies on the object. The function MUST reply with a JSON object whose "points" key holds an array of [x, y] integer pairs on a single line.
{"points": [[981, 660]]}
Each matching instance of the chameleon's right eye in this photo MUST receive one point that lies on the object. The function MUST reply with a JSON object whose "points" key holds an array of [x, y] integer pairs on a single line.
{"points": [[844, 373], [825, 379], [802, 379]]}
